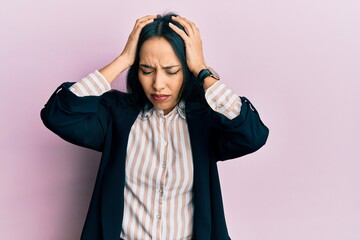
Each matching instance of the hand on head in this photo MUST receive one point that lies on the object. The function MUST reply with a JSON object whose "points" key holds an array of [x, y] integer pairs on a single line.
{"points": [[190, 35], [193, 44], [129, 51]]}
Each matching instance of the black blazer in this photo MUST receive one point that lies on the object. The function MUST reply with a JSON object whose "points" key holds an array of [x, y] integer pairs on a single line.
{"points": [[103, 123]]}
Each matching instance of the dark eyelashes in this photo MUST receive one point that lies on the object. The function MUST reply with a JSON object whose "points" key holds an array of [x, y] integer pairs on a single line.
{"points": [[145, 73], [170, 73], [173, 73]]}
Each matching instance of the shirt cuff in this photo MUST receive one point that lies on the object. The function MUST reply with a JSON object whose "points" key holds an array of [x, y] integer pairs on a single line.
{"points": [[222, 100], [95, 84]]}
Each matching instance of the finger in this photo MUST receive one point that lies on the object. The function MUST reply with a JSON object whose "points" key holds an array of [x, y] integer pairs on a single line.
{"points": [[189, 26], [145, 19], [140, 25], [190, 23], [180, 32]]}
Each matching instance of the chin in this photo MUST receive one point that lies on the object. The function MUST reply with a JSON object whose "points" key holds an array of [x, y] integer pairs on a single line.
{"points": [[161, 106], [164, 107]]}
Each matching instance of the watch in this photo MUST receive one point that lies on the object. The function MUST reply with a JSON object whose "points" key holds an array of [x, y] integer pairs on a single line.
{"points": [[206, 72]]}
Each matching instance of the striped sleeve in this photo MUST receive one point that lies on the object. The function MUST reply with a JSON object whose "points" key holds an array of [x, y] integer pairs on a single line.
{"points": [[94, 84], [222, 100]]}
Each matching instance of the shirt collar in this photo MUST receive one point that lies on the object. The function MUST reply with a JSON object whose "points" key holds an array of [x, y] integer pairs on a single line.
{"points": [[149, 110]]}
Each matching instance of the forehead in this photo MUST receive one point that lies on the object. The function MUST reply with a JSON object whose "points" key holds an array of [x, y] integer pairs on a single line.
{"points": [[157, 50]]}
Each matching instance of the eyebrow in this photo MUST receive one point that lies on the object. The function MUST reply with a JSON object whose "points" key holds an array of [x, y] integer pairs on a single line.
{"points": [[150, 67]]}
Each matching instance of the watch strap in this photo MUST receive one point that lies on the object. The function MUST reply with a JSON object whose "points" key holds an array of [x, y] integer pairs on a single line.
{"points": [[204, 73]]}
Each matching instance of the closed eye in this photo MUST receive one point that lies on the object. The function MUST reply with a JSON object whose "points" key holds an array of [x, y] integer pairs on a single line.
{"points": [[173, 73], [146, 72]]}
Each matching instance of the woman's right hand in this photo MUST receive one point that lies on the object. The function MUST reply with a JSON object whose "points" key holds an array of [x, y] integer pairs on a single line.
{"points": [[129, 52], [127, 57]]}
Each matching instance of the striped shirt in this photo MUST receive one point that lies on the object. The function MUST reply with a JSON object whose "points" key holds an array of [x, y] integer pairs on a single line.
{"points": [[159, 168]]}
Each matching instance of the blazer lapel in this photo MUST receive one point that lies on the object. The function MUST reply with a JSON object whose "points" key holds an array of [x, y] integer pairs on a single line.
{"points": [[114, 177], [198, 130]]}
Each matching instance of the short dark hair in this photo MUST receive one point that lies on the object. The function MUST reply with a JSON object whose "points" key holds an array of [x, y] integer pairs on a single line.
{"points": [[191, 90]]}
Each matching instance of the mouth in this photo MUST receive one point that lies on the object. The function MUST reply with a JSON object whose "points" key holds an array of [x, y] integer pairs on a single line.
{"points": [[159, 97]]}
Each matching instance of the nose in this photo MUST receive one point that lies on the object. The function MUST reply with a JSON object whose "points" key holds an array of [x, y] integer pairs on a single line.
{"points": [[158, 81]]}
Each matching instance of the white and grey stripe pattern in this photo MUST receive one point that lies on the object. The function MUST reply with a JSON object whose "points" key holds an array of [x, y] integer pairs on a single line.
{"points": [[159, 168], [159, 178], [223, 100], [94, 84]]}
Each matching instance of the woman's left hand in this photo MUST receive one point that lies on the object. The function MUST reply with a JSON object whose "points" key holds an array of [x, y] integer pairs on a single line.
{"points": [[191, 36]]}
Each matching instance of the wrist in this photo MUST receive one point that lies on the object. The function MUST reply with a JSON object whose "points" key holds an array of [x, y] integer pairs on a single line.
{"points": [[207, 77], [209, 81], [197, 70], [114, 69], [123, 62]]}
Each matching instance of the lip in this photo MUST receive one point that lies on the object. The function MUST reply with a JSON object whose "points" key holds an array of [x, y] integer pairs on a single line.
{"points": [[159, 97]]}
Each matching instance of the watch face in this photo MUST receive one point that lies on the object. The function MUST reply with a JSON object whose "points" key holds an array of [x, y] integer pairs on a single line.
{"points": [[214, 73]]}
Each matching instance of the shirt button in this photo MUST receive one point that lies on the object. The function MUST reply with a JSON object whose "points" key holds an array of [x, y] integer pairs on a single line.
{"points": [[160, 191], [163, 166], [158, 216]]}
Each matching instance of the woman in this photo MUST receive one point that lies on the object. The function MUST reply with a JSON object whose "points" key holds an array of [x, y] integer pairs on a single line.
{"points": [[160, 142]]}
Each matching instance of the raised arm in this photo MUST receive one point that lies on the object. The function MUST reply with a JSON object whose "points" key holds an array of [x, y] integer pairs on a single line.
{"points": [[239, 129], [127, 57], [80, 112]]}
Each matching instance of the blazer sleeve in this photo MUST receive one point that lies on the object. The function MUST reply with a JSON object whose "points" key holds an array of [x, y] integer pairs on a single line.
{"points": [[79, 120], [239, 136]]}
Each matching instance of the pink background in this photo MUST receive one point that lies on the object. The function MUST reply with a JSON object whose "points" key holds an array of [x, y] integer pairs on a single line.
{"points": [[298, 61]]}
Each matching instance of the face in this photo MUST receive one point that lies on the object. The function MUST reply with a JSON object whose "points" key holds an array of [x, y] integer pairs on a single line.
{"points": [[160, 73]]}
